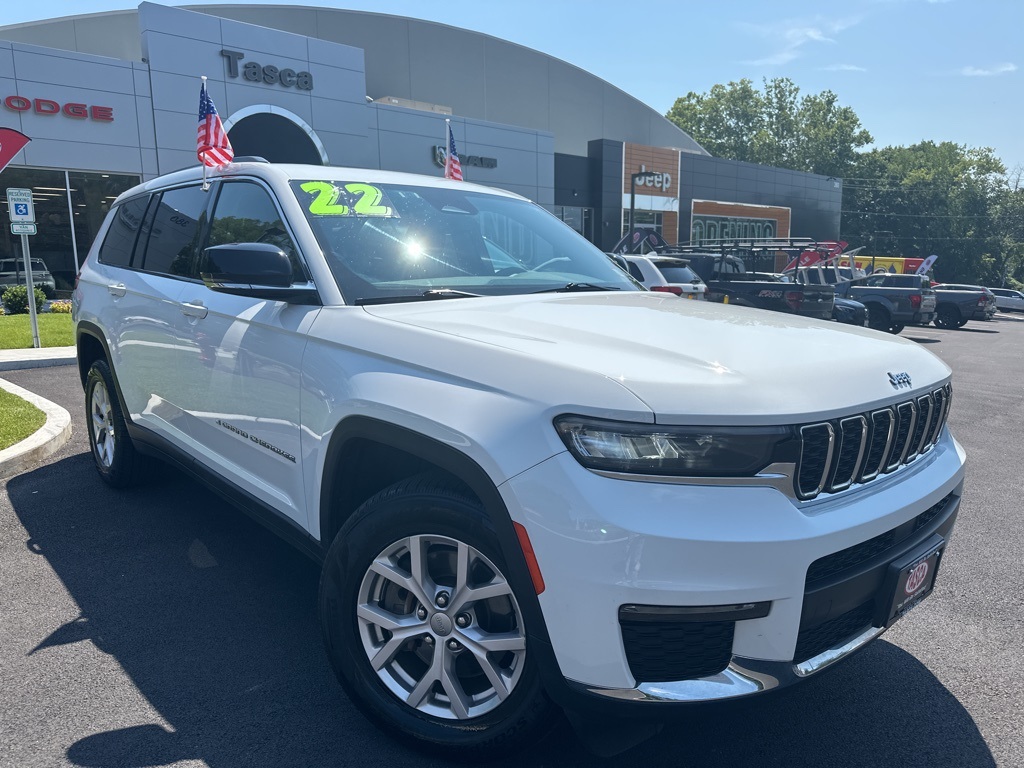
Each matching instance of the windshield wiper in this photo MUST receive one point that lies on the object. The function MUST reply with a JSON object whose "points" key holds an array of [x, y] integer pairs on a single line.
{"points": [[576, 287], [432, 293]]}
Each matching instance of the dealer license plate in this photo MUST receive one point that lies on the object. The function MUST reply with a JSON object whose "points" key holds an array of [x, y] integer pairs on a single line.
{"points": [[913, 578]]}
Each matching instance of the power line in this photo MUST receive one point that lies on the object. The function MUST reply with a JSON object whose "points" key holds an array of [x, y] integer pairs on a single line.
{"points": [[921, 238], [922, 215]]}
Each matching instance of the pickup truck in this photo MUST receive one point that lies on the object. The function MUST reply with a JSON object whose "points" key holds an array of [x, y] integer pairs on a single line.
{"points": [[893, 301], [728, 279], [956, 304], [729, 282]]}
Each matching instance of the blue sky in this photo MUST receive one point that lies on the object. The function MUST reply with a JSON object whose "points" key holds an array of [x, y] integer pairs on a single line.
{"points": [[911, 69]]}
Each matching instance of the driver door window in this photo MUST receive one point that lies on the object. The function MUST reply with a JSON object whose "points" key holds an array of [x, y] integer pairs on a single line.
{"points": [[246, 213]]}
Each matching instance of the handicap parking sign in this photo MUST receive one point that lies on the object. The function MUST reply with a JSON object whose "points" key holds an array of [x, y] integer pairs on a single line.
{"points": [[21, 208]]}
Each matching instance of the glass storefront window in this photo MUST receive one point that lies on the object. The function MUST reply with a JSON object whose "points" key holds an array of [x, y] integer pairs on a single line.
{"points": [[577, 218], [53, 239], [91, 195], [644, 219]]}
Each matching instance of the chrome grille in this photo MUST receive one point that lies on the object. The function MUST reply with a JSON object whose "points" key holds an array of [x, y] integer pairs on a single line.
{"points": [[817, 443], [941, 399], [922, 427], [882, 423], [852, 442], [836, 454], [905, 415]]}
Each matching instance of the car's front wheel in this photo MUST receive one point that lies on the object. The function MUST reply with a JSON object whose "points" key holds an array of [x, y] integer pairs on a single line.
{"points": [[423, 627]]}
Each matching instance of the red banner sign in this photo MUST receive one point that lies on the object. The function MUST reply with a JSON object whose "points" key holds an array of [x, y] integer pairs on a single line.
{"points": [[11, 143]]}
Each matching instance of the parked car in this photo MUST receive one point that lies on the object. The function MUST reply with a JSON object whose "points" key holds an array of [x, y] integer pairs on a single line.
{"points": [[530, 483], [12, 272], [666, 274], [849, 311], [893, 301], [957, 303], [1008, 300]]}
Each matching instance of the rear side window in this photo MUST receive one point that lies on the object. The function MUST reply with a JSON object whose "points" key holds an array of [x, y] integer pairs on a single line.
{"points": [[125, 225], [176, 229], [634, 272], [675, 273]]}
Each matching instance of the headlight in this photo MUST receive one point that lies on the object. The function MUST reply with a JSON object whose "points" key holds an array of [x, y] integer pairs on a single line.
{"points": [[649, 449]]}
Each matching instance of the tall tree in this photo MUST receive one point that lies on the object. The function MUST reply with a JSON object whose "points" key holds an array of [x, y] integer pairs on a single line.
{"points": [[775, 126], [940, 198], [724, 120]]}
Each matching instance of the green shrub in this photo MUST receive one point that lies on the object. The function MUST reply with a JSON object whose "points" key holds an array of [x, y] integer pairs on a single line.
{"points": [[62, 307], [15, 300]]}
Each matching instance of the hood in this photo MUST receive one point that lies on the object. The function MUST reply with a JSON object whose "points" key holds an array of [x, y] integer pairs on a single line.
{"points": [[691, 361]]}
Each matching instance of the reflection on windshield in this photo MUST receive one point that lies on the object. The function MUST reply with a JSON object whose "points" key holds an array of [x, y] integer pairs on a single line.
{"points": [[391, 240]]}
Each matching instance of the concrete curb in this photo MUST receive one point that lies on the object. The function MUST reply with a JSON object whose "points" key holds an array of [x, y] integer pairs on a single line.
{"points": [[19, 359], [45, 441]]}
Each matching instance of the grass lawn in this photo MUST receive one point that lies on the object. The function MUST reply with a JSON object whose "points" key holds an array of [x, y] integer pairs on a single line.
{"points": [[18, 419], [54, 331]]}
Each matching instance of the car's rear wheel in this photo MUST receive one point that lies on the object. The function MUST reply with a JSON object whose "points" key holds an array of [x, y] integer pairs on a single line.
{"points": [[422, 626], [117, 461], [947, 317]]}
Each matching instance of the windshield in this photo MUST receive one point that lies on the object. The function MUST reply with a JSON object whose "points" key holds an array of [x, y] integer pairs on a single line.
{"points": [[387, 241]]}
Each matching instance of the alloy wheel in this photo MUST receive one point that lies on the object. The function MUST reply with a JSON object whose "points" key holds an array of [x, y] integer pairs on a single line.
{"points": [[441, 627], [102, 425]]}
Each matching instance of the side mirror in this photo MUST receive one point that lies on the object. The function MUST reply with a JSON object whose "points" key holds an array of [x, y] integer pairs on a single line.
{"points": [[258, 270]]}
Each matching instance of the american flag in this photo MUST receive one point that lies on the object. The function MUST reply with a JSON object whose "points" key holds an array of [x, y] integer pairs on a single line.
{"points": [[452, 166], [212, 145]]}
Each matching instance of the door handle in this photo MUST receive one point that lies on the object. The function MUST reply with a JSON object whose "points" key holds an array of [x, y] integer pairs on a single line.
{"points": [[117, 289], [194, 309]]}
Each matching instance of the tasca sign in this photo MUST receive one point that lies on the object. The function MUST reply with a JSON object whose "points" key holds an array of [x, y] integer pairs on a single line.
{"points": [[270, 74]]}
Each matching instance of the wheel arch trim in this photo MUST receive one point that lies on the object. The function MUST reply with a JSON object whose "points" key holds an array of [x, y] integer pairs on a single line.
{"points": [[94, 332], [463, 467]]}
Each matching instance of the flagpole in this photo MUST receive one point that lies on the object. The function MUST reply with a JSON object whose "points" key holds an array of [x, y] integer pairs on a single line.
{"points": [[206, 184], [447, 144]]}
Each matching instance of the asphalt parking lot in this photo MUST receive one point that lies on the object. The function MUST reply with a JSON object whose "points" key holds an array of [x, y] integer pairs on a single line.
{"points": [[162, 627]]}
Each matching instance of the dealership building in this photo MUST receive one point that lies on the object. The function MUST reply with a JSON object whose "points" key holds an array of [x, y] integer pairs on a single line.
{"points": [[111, 99]]}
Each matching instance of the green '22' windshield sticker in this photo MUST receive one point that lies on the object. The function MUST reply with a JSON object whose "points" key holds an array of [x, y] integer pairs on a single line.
{"points": [[349, 199]]}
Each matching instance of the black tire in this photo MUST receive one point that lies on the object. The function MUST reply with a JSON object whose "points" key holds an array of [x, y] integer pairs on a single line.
{"points": [[896, 327], [430, 515], [948, 317], [960, 323], [117, 461], [878, 318]]}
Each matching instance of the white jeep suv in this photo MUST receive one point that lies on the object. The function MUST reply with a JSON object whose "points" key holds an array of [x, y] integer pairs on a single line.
{"points": [[530, 482]]}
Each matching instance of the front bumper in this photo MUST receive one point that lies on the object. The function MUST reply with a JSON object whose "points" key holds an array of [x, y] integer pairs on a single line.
{"points": [[603, 543]]}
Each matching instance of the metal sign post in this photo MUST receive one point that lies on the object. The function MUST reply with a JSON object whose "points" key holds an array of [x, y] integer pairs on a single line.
{"points": [[23, 222]]}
